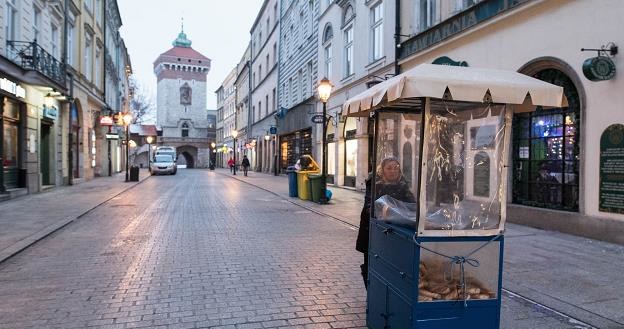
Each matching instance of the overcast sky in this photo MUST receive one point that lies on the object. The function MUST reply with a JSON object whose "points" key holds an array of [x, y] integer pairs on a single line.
{"points": [[219, 29]]}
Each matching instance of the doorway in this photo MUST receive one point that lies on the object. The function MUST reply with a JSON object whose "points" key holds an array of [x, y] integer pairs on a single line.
{"points": [[45, 151]]}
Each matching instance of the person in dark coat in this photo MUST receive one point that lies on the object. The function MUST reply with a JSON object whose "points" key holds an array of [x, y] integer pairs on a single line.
{"points": [[389, 181], [245, 163]]}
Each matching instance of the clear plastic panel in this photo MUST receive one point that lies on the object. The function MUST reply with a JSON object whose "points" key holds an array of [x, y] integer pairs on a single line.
{"points": [[440, 278], [463, 183], [398, 160]]}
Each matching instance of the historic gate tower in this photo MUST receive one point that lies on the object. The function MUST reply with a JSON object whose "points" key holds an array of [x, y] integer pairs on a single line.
{"points": [[181, 102]]}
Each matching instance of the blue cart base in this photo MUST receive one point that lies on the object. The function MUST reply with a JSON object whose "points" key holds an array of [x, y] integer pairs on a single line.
{"points": [[394, 271]]}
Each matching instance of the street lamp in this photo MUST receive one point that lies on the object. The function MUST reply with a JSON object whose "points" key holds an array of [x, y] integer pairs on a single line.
{"points": [[267, 137], [127, 119], [213, 156], [234, 135], [324, 91], [149, 141]]}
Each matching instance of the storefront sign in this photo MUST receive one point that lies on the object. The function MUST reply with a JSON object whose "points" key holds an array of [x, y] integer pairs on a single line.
{"points": [[599, 68], [611, 193], [12, 88], [317, 118], [112, 136], [456, 24], [50, 112], [445, 60], [273, 130]]}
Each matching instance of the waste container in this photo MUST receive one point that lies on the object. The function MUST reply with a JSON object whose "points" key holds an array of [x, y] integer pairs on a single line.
{"points": [[303, 184], [134, 174], [308, 167], [316, 186], [292, 183]]}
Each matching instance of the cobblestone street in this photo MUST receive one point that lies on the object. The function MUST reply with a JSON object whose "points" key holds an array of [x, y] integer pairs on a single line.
{"points": [[201, 250]]}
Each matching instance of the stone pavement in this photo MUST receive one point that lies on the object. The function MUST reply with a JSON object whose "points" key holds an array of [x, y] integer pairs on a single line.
{"points": [[561, 273], [555, 273], [26, 220]]}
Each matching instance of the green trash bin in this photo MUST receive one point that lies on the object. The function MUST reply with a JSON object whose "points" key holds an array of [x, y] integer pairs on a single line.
{"points": [[316, 187]]}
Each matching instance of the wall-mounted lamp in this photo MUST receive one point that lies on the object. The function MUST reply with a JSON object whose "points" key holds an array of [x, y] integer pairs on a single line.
{"points": [[397, 38]]}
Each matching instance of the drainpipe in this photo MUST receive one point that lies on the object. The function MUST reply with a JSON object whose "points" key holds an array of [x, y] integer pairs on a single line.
{"points": [[397, 37], [276, 141]]}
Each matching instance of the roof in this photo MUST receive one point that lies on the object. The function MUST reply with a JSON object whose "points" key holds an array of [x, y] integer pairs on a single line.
{"points": [[143, 130], [463, 84], [185, 52]]}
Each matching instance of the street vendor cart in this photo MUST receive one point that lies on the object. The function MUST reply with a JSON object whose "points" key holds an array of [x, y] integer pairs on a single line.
{"points": [[437, 261]]}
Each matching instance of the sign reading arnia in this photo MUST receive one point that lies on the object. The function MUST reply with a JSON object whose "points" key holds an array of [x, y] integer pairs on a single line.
{"points": [[611, 192]]}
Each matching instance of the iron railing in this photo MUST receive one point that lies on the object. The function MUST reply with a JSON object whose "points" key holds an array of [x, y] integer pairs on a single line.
{"points": [[31, 56]]}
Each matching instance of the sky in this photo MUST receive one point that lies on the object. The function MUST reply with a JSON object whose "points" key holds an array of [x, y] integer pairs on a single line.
{"points": [[219, 29]]}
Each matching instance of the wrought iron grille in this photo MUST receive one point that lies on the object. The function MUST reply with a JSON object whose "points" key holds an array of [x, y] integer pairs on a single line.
{"points": [[31, 56]]}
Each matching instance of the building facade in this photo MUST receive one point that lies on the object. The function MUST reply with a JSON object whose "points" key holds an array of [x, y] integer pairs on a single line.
{"points": [[264, 88], [181, 74], [297, 79], [226, 104], [85, 37], [572, 144], [345, 26], [32, 85], [245, 144]]}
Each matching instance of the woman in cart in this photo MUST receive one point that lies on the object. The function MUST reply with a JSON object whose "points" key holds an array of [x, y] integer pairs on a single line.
{"points": [[389, 181]]}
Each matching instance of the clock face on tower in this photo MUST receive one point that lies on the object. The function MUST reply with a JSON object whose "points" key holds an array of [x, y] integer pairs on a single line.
{"points": [[185, 94]]}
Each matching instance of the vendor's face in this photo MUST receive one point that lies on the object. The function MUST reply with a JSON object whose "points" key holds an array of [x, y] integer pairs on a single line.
{"points": [[392, 171]]}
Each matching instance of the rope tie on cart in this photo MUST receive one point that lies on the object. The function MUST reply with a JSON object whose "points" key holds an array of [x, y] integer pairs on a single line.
{"points": [[458, 260]]}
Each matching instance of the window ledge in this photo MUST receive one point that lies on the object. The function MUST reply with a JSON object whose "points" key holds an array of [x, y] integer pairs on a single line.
{"points": [[347, 78], [375, 63]]}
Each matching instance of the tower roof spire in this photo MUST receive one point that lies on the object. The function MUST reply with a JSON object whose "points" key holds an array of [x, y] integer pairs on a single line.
{"points": [[181, 40]]}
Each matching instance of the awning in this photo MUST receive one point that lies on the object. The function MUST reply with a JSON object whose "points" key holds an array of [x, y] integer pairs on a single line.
{"points": [[463, 84]]}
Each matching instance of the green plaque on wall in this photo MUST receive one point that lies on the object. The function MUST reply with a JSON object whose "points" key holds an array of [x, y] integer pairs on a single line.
{"points": [[611, 193]]}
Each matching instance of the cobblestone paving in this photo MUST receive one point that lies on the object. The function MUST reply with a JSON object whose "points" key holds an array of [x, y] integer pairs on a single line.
{"points": [[198, 250]]}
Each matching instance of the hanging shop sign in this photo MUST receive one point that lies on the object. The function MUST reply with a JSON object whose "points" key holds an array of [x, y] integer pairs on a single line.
{"points": [[50, 112], [12, 88], [112, 136], [599, 68], [318, 118], [611, 192], [273, 130], [105, 120]]}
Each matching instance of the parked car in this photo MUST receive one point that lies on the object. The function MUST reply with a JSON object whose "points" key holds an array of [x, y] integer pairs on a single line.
{"points": [[163, 164]]}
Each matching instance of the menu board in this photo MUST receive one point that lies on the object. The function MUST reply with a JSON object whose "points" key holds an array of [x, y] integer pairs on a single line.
{"points": [[611, 193]]}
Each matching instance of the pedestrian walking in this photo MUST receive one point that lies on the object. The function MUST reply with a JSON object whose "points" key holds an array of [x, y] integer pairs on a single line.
{"points": [[231, 164], [388, 181], [245, 163]]}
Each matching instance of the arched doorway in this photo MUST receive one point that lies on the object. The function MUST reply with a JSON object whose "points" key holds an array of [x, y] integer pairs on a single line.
{"points": [[546, 144]]}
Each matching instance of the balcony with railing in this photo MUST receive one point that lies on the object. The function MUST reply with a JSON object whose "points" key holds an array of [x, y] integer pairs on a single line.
{"points": [[31, 56]]}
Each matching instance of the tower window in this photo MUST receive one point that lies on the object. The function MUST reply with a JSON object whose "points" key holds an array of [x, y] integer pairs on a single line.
{"points": [[185, 129]]}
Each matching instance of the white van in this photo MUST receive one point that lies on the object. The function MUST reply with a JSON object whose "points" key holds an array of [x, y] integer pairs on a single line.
{"points": [[168, 150]]}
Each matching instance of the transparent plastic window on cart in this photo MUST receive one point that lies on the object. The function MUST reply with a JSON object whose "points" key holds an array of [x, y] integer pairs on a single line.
{"points": [[438, 280], [398, 153], [463, 180]]}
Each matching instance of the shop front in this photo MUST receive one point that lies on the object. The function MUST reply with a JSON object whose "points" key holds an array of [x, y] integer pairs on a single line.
{"points": [[12, 112], [293, 146], [295, 134], [555, 161]]}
